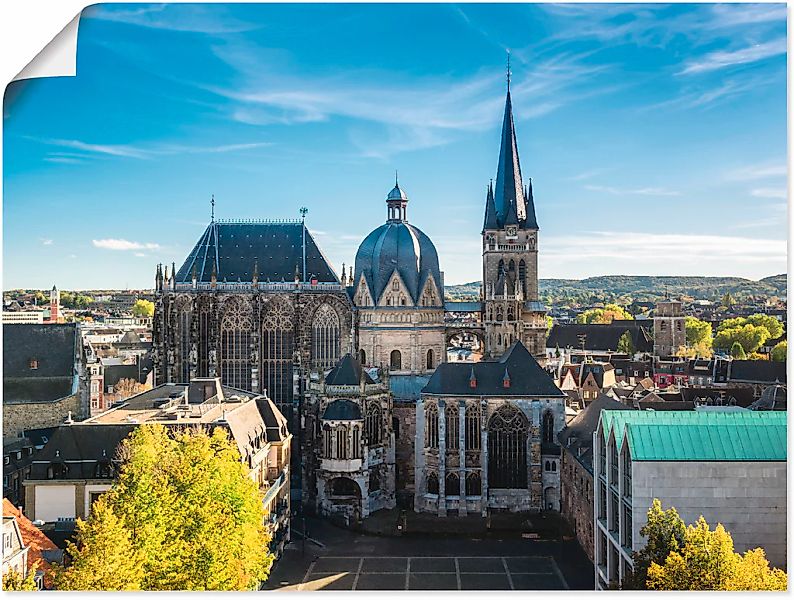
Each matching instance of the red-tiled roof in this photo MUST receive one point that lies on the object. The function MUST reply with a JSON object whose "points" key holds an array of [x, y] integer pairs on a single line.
{"points": [[32, 536]]}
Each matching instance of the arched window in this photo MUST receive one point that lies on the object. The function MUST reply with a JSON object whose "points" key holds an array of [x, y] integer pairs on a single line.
{"points": [[430, 362], [362, 356], [276, 356], [431, 426], [452, 485], [547, 434], [473, 484], [522, 275], [325, 338], [204, 320], [374, 424], [328, 442], [553, 466], [356, 445], [501, 266], [342, 486], [183, 319], [547, 466], [374, 481], [499, 313], [453, 433], [341, 443], [472, 427], [511, 266], [432, 483], [235, 360], [507, 449], [395, 285], [510, 314], [395, 360]]}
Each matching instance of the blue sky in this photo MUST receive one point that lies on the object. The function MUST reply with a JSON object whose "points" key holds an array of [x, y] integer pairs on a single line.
{"points": [[655, 134]]}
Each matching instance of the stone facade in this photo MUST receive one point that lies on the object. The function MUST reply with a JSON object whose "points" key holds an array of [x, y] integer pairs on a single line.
{"points": [[576, 499], [18, 416], [669, 330]]}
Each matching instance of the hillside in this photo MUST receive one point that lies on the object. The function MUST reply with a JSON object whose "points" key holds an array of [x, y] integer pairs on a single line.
{"points": [[625, 288]]}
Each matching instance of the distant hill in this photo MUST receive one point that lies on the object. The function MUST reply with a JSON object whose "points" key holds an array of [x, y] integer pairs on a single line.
{"points": [[626, 288]]}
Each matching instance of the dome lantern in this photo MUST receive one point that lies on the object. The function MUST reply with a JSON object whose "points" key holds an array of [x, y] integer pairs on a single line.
{"points": [[396, 202]]}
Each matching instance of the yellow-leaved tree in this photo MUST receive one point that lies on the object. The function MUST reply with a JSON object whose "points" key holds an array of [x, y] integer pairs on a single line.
{"points": [[187, 517], [704, 559]]}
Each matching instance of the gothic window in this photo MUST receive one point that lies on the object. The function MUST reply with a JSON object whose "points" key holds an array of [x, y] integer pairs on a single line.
{"points": [[374, 424], [184, 316], [431, 426], [507, 449], [276, 356], [511, 266], [553, 466], [235, 362], [328, 442], [501, 266], [204, 317], [430, 359], [432, 483], [402, 300], [374, 481], [522, 275], [356, 450], [473, 484], [325, 338], [548, 428], [472, 427], [510, 314], [362, 356], [395, 360], [499, 314], [452, 435], [341, 443], [547, 466], [452, 485], [395, 285]]}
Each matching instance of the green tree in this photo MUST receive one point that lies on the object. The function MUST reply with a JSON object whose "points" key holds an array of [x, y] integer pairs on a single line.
{"points": [[143, 308], [626, 344], [727, 300], [665, 532], [737, 351], [772, 325], [706, 561], [14, 582], [749, 337], [82, 301], [606, 315], [194, 517], [779, 352]]}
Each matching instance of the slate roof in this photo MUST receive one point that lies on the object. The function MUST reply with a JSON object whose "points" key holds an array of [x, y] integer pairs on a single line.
{"points": [[766, 371], [236, 247], [699, 435], [527, 377], [115, 373], [463, 306], [342, 410], [347, 371], [599, 337], [772, 398], [577, 436], [53, 347], [407, 388], [397, 246]]}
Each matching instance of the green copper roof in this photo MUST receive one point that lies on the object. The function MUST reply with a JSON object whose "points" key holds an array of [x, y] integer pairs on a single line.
{"points": [[698, 436]]}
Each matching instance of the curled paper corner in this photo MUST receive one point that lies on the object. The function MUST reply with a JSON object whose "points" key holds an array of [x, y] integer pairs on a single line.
{"points": [[56, 59]]}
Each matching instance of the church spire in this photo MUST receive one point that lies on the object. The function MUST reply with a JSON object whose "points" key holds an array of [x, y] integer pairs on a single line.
{"points": [[490, 210], [509, 194], [531, 221]]}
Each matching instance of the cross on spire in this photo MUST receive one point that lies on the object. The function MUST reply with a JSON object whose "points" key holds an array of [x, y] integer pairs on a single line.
{"points": [[508, 70], [212, 214]]}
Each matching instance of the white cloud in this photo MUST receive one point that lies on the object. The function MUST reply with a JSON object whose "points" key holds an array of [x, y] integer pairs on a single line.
{"points": [[140, 254], [647, 191], [124, 245], [723, 59], [46, 242], [193, 18], [142, 151], [770, 193], [759, 171]]}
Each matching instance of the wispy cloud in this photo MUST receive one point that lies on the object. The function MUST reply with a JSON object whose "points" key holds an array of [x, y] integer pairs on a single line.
{"points": [[590, 173], [759, 171], [123, 245], [646, 191], [770, 193], [46, 242], [723, 59], [194, 18], [142, 151]]}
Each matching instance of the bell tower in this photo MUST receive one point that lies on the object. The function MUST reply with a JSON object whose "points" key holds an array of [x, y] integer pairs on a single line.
{"points": [[511, 310]]}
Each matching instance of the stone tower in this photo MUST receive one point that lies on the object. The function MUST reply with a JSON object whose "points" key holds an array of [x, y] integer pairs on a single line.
{"points": [[511, 310], [55, 305], [669, 331]]}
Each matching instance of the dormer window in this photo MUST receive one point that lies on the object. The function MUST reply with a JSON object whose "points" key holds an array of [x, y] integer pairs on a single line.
{"points": [[33, 363]]}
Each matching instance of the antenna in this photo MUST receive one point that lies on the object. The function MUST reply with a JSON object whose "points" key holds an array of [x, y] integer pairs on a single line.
{"points": [[212, 214], [303, 211]]}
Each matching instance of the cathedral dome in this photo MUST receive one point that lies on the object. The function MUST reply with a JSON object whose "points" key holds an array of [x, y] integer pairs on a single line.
{"points": [[397, 245]]}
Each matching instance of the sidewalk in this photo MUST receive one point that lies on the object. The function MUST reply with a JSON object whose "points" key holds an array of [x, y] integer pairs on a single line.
{"points": [[545, 526]]}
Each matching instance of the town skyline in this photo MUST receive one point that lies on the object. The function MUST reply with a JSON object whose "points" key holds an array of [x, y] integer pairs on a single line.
{"points": [[622, 119]]}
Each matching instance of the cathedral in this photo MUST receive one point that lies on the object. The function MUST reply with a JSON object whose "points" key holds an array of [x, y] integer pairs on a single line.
{"points": [[358, 362]]}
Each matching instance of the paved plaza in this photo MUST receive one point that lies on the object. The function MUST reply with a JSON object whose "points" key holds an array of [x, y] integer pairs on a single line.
{"points": [[433, 573]]}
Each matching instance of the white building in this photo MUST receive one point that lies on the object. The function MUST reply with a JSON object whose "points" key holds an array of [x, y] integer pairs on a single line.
{"points": [[729, 467]]}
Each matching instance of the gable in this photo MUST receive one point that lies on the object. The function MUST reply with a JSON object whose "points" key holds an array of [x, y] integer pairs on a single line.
{"points": [[396, 292], [363, 295]]}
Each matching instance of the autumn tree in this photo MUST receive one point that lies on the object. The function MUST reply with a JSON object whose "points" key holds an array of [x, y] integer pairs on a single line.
{"points": [[14, 581], [779, 352], [737, 351], [193, 516], [665, 532], [749, 337], [728, 300], [706, 561], [603, 316], [143, 308]]}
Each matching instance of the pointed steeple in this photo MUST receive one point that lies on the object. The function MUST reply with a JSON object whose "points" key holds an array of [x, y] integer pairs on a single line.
{"points": [[531, 221], [490, 210], [509, 193]]}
